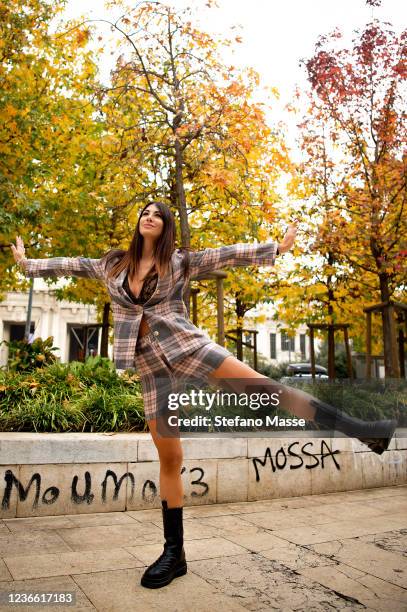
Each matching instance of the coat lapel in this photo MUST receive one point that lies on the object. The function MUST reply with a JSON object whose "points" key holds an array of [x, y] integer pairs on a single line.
{"points": [[163, 286]]}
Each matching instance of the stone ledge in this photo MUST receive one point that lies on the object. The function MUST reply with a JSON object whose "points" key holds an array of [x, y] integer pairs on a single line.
{"points": [[73, 473], [25, 448]]}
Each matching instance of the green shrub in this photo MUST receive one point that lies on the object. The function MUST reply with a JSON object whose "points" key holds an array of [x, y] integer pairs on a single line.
{"points": [[26, 357], [74, 396]]}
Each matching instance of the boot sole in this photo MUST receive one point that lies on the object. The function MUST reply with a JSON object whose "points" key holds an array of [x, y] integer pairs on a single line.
{"points": [[379, 445], [156, 584]]}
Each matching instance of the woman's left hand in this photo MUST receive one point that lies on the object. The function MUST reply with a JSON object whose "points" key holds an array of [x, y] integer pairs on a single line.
{"points": [[289, 238]]}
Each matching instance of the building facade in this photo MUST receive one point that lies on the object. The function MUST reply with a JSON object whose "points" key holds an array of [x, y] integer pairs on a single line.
{"points": [[67, 322], [275, 342]]}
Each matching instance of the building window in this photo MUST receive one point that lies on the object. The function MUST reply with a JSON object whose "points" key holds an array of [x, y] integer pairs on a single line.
{"points": [[17, 330], [302, 345], [287, 343], [273, 346], [83, 341]]}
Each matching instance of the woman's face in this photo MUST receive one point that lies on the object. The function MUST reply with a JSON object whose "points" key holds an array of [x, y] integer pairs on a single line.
{"points": [[151, 222]]}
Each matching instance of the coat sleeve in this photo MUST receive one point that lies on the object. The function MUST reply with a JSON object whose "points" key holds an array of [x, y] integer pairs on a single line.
{"points": [[64, 266], [241, 254]]}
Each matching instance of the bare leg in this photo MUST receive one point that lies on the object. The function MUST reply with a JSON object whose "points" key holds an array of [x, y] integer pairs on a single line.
{"points": [[375, 434], [171, 456], [293, 400]]}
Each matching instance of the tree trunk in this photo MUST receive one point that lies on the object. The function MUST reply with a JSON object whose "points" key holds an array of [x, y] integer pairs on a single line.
{"points": [[240, 311], [331, 332], [105, 330], [391, 366]]}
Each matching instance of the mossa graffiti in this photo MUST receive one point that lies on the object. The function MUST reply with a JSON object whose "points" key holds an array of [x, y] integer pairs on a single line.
{"points": [[283, 458]]}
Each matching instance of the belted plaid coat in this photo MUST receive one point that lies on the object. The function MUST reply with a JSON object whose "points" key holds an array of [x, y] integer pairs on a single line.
{"points": [[165, 312]]}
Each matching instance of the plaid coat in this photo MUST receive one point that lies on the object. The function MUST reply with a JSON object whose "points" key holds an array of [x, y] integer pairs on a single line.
{"points": [[165, 312]]}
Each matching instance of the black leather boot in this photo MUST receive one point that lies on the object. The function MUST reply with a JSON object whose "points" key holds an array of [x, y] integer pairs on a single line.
{"points": [[375, 434], [171, 563]]}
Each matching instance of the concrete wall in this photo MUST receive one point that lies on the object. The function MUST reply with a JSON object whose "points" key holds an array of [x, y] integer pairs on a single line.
{"points": [[52, 474]]}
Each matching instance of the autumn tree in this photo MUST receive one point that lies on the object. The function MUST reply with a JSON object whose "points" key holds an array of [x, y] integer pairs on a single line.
{"points": [[51, 161], [187, 130], [357, 93]]}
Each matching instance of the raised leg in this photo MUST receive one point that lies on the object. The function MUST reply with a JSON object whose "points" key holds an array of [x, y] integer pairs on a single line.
{"points": [[375, 434], [294, 400]]}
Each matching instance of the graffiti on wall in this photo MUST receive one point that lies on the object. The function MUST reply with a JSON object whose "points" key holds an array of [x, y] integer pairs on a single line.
{"points": [[149, 489], [293, 457], [83, 490]]}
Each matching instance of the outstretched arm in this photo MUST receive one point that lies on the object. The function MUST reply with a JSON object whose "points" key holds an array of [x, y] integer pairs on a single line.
{"points": [[84, 267], [241, 254], [289, 238]]}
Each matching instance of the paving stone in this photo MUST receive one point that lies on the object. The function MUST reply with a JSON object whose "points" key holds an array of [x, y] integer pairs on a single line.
{"points": [[38, 523], [341, 551], [120, 591], [373, 593], [363, 495], [394, 541], [210, 510], [355, 509], [234, 529], [295, 557], [261, 584], [231, 524], [42, 566], [358, 527], [368, 558], [305, 501], [278, 519], [145, 515], [27, 543], [195, 530], [101, 518], [110, 536], [256, 542], [305, 535], [389, 505], [390, 596], [207, 548], [4, 571], [47, 585]]}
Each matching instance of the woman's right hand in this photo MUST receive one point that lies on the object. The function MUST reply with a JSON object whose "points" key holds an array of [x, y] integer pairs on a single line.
{"points": [[18, 250]]}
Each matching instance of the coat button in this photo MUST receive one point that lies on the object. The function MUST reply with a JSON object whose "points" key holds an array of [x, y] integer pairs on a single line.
{"points": [[158, 291], [156, 333]]}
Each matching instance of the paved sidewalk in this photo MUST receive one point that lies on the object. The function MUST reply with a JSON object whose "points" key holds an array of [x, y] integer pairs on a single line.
{"points": [[339, 551]]}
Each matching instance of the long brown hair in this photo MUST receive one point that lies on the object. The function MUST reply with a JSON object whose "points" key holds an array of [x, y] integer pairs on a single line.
{"points": [[164, 248]]}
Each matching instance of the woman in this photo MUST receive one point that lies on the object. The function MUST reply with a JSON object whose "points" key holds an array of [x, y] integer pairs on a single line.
{"points": [[153, 333]]}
